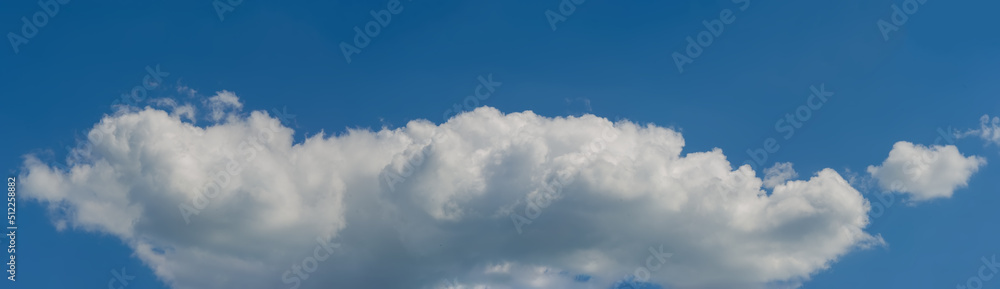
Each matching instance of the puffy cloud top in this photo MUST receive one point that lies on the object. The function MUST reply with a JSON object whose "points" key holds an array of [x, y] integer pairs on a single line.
{"points": [[486, 199]]}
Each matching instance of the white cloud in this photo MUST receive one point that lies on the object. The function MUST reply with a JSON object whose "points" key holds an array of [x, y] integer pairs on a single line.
{"points": [[185, 90], [989, 129], [447, 219], [222, 102], [186, 111], [778, 174], [925, 173]]}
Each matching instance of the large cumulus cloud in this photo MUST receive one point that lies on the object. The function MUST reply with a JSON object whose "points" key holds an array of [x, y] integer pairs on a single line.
{"points": [[237, 204]]}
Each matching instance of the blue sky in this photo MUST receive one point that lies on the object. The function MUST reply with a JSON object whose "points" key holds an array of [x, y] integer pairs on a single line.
{"points": [[609, 59]]}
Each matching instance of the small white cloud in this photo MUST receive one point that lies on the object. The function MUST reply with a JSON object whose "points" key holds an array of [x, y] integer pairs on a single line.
{"points": [[989, 129], [184, 89], [222, 102], [925, 172], [778, 174], [186, 111], [499, 268], [165, 102]]}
